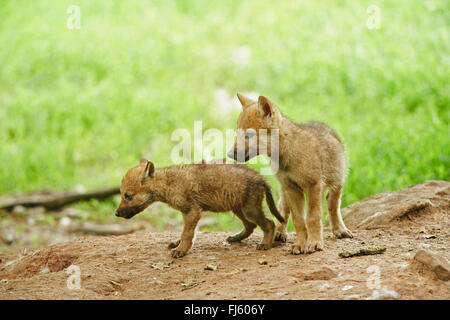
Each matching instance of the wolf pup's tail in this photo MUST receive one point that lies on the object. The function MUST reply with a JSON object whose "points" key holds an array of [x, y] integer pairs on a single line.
{"points": [[271, 204]]}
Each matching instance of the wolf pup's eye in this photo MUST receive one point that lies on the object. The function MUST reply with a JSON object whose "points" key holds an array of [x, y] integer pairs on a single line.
{"points": [[128, 197]]}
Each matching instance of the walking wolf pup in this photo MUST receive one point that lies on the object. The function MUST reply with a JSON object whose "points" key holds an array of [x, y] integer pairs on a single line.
{"points": [[311, 159], [195, 188]]}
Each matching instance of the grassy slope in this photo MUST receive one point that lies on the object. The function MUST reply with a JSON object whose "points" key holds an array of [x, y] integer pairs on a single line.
{"points": [[81, 106]]}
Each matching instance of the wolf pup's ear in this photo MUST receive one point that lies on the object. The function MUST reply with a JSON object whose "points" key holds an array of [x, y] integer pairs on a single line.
{"points": [[265, 106], [245, 101], [149, 169]]}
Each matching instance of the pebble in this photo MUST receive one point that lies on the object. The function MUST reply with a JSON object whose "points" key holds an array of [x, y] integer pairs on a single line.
{"points": [[19, 209], [280, 294], [65, 222], [44, 270], [346, 288], [324, 287]]}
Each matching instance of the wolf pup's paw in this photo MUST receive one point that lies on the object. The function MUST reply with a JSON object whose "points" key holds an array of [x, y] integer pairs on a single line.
{"points": [[342, 233], [178, 253], [296, 249], [280, 236], [312, 246], [174, 244], [263, 246]]}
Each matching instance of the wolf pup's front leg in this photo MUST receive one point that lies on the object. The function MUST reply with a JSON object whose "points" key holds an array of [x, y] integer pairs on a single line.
{"points": [[190, 223]]}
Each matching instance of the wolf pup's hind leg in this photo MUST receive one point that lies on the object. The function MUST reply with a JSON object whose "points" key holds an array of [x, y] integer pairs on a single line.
{"points": [[248, 228]]}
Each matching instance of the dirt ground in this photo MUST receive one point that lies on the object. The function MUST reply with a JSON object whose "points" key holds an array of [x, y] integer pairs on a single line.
{"points": [[139, 266]]}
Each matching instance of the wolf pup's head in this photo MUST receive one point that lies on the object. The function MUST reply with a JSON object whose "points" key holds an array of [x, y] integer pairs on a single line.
{"points": [[136, 190], [256, 124]]}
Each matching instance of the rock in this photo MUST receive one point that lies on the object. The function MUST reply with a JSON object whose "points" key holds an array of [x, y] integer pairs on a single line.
{"points": [[346, 288], [262, 261], [428, 236], [381, 209], [44, 270], [323, 287], [211, 267], [280, 294], [383, 294], [8, 237], [19, 210], [65, 222], [439, 265], [31, 221]]}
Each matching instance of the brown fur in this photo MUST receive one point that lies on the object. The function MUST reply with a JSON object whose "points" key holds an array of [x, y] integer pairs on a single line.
{"points": [[311, 159], [195, 188]]}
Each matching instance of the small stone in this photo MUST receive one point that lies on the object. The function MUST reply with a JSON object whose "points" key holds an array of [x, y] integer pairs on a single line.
{"points": [[44, 270], [211, 267], [429, 236], [439, 265], [31, 221], [280, 294], [324, 287], [8, 237], [19, 209], [262, 261], [346, 288], [65, 222], [383, 294]]}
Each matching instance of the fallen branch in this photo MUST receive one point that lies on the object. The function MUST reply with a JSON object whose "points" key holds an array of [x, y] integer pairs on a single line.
{"points": [[362, 252], [51, 201], [101, 229]]}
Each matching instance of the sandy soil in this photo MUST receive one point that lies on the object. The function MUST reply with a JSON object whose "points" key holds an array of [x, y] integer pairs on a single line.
{"points": [[139, 266]]}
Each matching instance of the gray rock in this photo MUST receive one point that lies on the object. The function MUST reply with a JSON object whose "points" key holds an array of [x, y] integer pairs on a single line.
{"points": [[381, 209], [19, 210], [439, 265], [44, 270]]}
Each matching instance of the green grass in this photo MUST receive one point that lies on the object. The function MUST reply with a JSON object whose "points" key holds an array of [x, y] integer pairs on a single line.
{"points": [[82, 106]]}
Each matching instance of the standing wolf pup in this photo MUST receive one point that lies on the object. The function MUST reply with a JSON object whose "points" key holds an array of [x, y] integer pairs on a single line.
{"points": [[195, 188], [311, 159]]}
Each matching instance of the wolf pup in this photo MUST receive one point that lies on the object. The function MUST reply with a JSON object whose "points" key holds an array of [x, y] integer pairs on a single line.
{"points": [[311, 159], [195, 188]]}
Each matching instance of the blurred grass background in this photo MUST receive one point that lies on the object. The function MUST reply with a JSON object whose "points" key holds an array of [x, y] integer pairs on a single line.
{"points": [[82, 106]]}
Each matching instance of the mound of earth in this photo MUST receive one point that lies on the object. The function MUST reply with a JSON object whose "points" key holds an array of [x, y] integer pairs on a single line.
{"points": [[139, 265], [383, 208]]}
